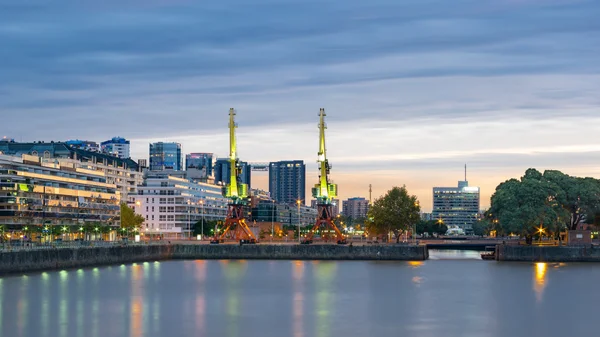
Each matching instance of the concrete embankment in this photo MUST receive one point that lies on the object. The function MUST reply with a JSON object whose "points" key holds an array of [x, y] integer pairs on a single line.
{"points": [[302, 252], [548, 253], [28, 260], [59, 258]]}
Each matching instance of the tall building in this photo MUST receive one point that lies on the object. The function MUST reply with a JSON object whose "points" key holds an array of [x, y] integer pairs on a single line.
{"points": [[221, 170], [199, 165], [37, 193], [287, 181], [165, 156], [456, 206], [335, 206], [83, 145], [142, 163], [355, 207], [116, 146], [172, 205], [124, 173]]}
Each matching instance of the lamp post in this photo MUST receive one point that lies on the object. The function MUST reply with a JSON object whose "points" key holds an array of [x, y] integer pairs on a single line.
{"points": [[298, 203], [202, 229], [272, 218], [188, 222]]}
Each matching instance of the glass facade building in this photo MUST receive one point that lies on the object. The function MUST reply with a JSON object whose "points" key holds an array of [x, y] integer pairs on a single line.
{"points": [[165, 156], [287, 181], [222, 172], [35, 194], [457, 207]]}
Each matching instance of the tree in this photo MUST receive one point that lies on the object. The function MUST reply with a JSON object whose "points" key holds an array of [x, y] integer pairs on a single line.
{"points": [[431, 227], [482, 227], [209, 227], [581, 196], [129, 219], [522, 206], [395, 212]]}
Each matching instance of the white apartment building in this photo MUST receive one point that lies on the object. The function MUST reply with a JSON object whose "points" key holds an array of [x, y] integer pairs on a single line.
{"points": [[116, 146], [172, 205]]}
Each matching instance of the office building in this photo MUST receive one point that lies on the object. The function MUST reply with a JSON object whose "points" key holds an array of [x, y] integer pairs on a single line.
{"points": [[116, 146], [124, 173], [142, 163], [165, 156], [355, 208], [457, 207], [287, 181], [199, 166], [37, 195], [83, 145], [172, 205], [222, 172], [283, 214], [335, 206]]}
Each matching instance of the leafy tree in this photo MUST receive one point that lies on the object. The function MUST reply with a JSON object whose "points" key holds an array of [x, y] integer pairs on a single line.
{"points": [[395, 212], [581, 196], [209, 227], [520, 206], [129, 219], [431, 227], [482, 227]]}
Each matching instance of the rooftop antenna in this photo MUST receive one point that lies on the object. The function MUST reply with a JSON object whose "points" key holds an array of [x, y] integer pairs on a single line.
{"points": [[370, 190], [465, 172]]}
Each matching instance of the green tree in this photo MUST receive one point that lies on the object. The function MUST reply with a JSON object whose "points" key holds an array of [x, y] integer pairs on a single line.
{"points": [[394, 212], [522, 206], [129, 219], [209, 227], [581, 196], [431, 227], [482, 227]]}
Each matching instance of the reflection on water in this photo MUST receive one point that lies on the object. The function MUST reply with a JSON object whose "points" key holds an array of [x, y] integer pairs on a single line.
{"points": [[540, 279], [302, 299]]}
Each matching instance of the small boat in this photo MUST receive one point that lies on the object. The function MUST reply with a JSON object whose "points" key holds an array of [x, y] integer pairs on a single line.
{"points": [[489, 254]]}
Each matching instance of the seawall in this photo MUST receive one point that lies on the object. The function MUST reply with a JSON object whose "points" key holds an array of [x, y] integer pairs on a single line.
{"points": [[548, 253], [29, 260]]}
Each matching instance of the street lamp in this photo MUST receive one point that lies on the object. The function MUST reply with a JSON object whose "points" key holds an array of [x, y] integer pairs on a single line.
{"points": [[202, 229], [298, 203], [188, 222], [272, 218]]}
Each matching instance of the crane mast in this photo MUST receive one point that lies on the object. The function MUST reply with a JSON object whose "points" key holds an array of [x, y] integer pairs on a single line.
{"points": [[324, 192], [235, 226], [235, 190]]}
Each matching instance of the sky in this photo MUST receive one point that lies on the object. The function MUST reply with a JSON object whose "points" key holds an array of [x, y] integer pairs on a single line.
{"points": [[413, 89]]}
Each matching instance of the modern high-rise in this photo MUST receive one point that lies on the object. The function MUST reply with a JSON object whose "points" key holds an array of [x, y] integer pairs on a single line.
{"points": [[222, 172], [199, 165], [116, 146], [355, 208], [287, 181], [456, 206], [165, 156]]}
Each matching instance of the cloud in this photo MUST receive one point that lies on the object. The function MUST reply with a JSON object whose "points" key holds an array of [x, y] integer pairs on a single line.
{"points": [[411, 86]]}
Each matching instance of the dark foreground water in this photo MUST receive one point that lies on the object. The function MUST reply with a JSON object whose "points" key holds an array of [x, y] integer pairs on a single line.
{"points": [[446, 296]]}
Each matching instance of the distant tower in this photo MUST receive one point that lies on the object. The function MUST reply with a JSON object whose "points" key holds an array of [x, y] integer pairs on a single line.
{"points": [[370, 191]]}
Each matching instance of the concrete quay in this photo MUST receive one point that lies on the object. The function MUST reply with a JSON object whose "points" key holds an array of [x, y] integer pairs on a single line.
{"points": [[29, 260], [547, 253]]}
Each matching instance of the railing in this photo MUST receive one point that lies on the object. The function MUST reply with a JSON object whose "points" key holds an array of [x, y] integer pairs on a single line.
{"points": [[7, 247]]}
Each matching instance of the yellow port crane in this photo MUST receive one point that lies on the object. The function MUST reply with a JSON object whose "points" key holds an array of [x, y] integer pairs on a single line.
{"points": [[324, 192], [235, 226]]}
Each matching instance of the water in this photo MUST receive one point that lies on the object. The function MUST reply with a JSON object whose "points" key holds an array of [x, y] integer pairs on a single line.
{"points": [[451, 295]]}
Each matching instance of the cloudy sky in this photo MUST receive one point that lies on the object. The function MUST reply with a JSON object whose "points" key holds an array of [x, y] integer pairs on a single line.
{"points": [[413, 89]]}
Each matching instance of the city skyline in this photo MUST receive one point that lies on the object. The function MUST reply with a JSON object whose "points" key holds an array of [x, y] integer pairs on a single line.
{"points": [[412, 90]]}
